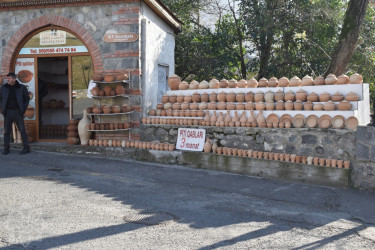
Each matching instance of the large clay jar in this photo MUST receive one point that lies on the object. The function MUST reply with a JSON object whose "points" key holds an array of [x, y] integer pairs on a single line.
{"points": [[356, 79], [319, 80], [174, 81], [120, 90], [224, 83], [203, 106], [249, 106], [324, 97], [221, 106], [203, 85], [263, 83], [84, 134], [301, 95], [330, 79], [260, 106], [307, 81], [231, 97], [109, 78], [240, 97], [194, 106], [95, 91], [187, 98], [249, 97], [212, 105], [344, 105], [221, 97], [213, 97], [183, 85], [252, 83], [180, 98], [351, 97], [289, 105], [205, 97], [97, 77], [337, 97], [318, 106], [194, 85], [106, 109], [289, 96], [295, 82], [240, 106], [231, 106], [259, 96], [313, 97], [269, 96], [330, 105], [284, 82], [207, 146], [214, 84], [270, 105], [165, 98], [261, 121], [343, 79], [298, 105], [242, 83], [232, 83], [107, 90], [279, 95], [308, 105], [196, 97], [280, 105], [273, 82]]}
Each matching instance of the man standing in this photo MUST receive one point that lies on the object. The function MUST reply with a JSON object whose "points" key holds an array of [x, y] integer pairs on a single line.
{"points": [[14, 100]]}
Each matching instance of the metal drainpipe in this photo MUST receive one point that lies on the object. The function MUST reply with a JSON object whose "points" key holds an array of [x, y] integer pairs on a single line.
{"points": [[143, 64]]}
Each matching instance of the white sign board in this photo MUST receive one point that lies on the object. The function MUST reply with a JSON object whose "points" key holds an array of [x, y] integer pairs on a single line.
{"points": [[53, 50], [191, 139], [57, 37]]}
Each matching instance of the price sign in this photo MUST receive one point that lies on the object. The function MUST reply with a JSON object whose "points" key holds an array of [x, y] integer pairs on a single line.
{"points": [[191, 139]]}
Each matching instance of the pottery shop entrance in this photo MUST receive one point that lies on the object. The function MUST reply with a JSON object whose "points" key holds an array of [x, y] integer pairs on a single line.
{"points": [[53, 97]]}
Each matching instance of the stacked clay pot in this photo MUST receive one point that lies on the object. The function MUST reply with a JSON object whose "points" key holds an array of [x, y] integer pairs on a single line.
{"points": [[72, 134]]}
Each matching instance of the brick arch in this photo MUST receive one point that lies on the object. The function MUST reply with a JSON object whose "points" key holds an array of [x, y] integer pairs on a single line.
{"points": [[71, 25]]}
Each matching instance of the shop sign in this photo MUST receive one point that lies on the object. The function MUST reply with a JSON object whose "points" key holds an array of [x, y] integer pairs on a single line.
{"points": [[120, 37], [53, 50], [191, 139], [54, 37]]}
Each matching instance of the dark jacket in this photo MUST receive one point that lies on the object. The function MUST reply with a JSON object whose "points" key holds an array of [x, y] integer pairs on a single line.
{"points": [[22, 96]]}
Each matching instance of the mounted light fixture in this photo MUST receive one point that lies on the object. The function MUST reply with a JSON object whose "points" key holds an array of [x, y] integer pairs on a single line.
{"points": [[53, 31]]}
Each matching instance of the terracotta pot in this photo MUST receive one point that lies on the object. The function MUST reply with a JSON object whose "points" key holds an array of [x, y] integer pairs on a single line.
{"points": [[221, 97], [343, 79], [240, 106], [295, 82], [260, 106], [289, 96], [187, 98], [252, 83], [173, 98], [194, 85], [337, 97], [298, 105], [318, 106], [180, 98], [231, 97], [165, 99], [203, 85], [328, 106], [307, 81], [356, 79], [273, 82], [117, 109], [109, 78], [346, 164], [313, 97], [270, 105], [106, 109], [249, 97], [185, 106], [242, 83], [120, 90], [289, 105], [322, 162], [203, 106], [196, 97], [279, 95], [176, 106], [249, 106], [183, 85], [107, 90], [204, 97], [351, 96], [324, 97], [207, 146], [72, 140], [319, 80], [122, 77], [167, 106], [95, 91], [240, 97], [259, 96], [330, 79], [97, 77], [232, 83], [308, 105], [301, 95], [174, 81], [212, 105], [193, 106], [223, 83], [213, 97], [280, 105], [30, 112], [283, 82], [344, 105], [263, 83]]}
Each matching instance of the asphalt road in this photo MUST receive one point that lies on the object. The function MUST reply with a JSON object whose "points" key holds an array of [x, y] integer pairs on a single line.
{"points": [[56, 201]]}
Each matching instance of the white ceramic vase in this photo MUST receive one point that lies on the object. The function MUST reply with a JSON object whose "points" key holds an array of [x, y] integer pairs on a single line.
{"points": [[84, 134]]}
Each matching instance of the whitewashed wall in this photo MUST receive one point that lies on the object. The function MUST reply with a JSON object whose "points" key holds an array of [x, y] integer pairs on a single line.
{"points": [[157, 47]]}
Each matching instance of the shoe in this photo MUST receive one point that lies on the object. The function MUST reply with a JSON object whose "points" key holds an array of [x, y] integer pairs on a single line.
{"points": [[25, 151], [5, 151]]}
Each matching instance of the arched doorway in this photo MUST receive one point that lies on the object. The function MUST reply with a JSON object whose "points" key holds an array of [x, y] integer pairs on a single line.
{"points": [[54, 65]]}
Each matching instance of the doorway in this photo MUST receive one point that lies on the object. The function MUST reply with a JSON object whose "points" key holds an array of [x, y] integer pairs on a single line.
{"points": [[53, 97]]}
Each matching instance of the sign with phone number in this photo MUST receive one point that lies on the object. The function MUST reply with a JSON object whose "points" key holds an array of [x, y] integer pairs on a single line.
{"points": [[53, 50], [191, 139]]}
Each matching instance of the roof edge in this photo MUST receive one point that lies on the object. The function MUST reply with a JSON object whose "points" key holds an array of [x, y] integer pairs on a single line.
{"points": [[164, 13]]}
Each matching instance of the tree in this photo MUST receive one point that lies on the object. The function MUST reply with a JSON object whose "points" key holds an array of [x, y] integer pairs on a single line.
{"points": [[348, 37]]}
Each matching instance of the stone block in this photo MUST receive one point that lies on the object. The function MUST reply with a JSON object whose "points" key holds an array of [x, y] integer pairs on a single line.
{"points": [[362, 152], [372, 153], [309, 139]]}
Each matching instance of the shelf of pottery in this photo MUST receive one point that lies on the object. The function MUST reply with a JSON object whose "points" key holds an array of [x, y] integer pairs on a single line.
{"points": [[332, 102], [111, 110]]}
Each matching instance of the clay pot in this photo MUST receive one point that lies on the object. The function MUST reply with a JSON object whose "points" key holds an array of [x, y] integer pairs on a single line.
{"points": [[307, 81], [313, 97], [242, 83], [324, 97], [117, 109], [337, 97], [318, 106], [343, 79], [260, 106], [109, 78], [308, 105], [249, 106], [180, 98], [232, 83], [106, 109], [159, 106], [173, 98], [165, 99], [231, 106], [263, 83], [240, 106], [356, 79], [95, 91], [183, 85], [202, 106], [301, 95], [196, 97], [298, 105], [221, 97], [203, 85], [174, 81], [261, 121], [187, 98], [328, 106], [273, 82], [176, 106], [330, 79], [279, 95], [120, 90], [283, 82], [346, 164], [97, 77], [101, 93], [194, 85], [289, 96], [344, 105], [240, 97], [83, 132], [72, 140], [30, 112], [295, 82], [185, 106], [259, 96], [107, 90], [289, 105], [194, 106], [207, 146], [351, 96], [252, 83], [204, 97], [319, 80], [167, 106], [270, 105], [223, 83], [269, 96], [213, 97], [231, 97], [122, 77], [249, 97], [280, 105], [212, 105]]}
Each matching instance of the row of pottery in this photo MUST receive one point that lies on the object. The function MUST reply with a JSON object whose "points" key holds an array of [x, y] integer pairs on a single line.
{"points": [[108, 126], [108, 91], [72, 132], [133, 144], [106, 109], [98, 77], [175, 82], [53, 104], [259, 96]]}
